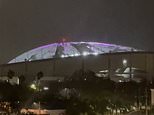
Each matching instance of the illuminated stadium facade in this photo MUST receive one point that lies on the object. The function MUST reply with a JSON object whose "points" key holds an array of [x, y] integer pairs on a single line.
{"points": [[70, 49], [62, 60]]}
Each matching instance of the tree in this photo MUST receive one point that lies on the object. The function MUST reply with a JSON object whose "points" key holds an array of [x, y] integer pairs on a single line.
{"points": [[76, 106], [10, 74], [40, 75]]}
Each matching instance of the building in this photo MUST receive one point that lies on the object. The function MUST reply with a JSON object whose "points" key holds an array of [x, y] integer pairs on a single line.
{"points": [[63, 59]]}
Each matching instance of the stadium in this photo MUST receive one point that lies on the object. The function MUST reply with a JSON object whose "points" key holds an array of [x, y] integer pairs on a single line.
{"points": [[60, 60]]}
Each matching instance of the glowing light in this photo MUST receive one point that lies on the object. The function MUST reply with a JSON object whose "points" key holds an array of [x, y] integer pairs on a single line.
{"points": [[45, 88], [76, 54], [62, 56], [124, 62], [34, 103], [33, 86], [118, 111], [85, 53], [72, 55], [95, 53]]}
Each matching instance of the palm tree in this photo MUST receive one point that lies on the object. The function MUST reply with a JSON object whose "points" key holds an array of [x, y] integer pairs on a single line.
{"points": [[40, 75], [10, 75]]}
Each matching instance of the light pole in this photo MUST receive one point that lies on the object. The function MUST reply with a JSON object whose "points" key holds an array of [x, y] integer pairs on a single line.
{"points": [[39, 76], [36, 87], [109, 66], [146, 101], [39, 104]]}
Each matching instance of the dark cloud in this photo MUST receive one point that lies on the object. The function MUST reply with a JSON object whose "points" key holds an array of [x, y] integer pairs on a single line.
{"points": [[26, 24]]}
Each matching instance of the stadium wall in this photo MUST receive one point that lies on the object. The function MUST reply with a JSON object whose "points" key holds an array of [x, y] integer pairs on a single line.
{"points": [[64, 67]]}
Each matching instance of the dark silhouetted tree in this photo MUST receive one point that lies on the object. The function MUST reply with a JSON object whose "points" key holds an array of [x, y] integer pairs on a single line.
{"points": [[40, 75], [10, 74]]}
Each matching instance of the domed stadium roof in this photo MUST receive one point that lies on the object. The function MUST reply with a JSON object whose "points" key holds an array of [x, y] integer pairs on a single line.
{"points": [[69, 49]]}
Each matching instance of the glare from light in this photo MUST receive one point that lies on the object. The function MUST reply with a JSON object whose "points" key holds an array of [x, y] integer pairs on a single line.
{"points": [[72, 55], [95, 53], [45, 88], [88, 47], [34, 103], [82, 42], [76, 54], [85, 53], [65, 89], [118, 111], [33, 86], [124, 62], [62, 56], [104, 71]]}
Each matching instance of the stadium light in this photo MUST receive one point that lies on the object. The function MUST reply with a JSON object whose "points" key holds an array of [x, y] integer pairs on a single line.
{"points": [[72, 55], [62, 56], [85, 53], [76, 54], [95, 53], [45, 88], [124, 62]]}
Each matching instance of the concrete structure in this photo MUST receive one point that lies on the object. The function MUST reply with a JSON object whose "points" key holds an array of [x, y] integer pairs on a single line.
{"points": [[62, 65]]}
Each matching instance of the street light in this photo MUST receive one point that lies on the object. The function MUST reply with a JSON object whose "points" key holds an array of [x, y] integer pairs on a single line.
{"points": [[124, 62], [45, 88], [33, 86], [85, 53], [95, 53]]}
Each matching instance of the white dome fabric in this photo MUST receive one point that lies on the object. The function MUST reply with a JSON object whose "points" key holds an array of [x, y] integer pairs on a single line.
{"points": [[69, 49]]}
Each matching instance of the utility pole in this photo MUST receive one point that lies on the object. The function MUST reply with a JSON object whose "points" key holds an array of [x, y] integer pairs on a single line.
{"points": [[146, 89], [146, 101], [39, 100], [39, 76]]}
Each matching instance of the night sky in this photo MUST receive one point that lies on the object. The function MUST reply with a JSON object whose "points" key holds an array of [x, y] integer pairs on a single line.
{"points": [[26, 24]]}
